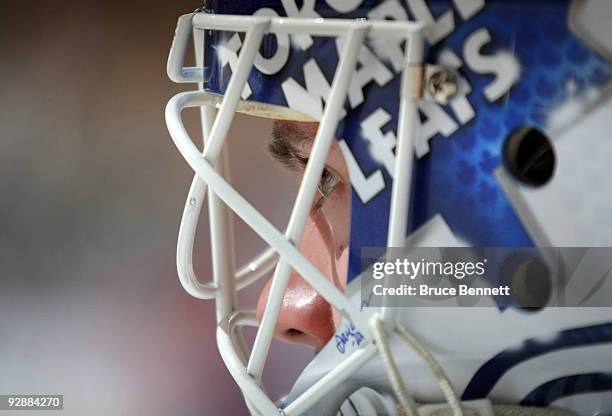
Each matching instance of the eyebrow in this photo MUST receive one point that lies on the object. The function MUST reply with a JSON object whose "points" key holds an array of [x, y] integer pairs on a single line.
{"points": [[285, 145]]}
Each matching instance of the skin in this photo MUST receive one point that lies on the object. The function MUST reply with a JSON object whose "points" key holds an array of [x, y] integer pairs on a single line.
{"points": [[306, 317]]}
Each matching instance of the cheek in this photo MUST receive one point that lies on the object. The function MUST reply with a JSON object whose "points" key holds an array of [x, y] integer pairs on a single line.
{"points": [[342, 268], [320, 246], [333, 225], [336, 211]]}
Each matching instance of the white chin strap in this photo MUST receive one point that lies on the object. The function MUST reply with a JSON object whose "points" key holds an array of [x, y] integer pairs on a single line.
{"points": [[367, 402], [407, 403]]}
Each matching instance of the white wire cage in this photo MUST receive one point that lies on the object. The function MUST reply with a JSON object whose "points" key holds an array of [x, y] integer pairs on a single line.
{"points": [[212, 168]]}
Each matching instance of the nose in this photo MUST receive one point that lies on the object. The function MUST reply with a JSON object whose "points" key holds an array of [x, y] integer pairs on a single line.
{"points": [[305, 317]]}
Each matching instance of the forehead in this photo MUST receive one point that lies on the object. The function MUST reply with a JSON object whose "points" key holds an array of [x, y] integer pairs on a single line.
{"points": [[294, 131], [299, 137]]}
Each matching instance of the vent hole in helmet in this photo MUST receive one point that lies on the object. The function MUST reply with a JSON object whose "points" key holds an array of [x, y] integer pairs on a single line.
{"points": [[530, 281], [529, 156]]}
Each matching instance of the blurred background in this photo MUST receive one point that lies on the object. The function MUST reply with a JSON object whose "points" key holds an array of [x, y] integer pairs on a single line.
{"points": [[92, 190]]}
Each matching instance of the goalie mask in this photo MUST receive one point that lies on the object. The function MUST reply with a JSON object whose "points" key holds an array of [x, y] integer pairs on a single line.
{"points": [[477, 126]]}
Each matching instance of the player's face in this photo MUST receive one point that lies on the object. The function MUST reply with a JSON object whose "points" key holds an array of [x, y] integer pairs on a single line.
{"points": [[306, 317]]}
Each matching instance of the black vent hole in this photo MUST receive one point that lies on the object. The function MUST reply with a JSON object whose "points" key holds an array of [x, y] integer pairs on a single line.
{"points": [[529, 156]]}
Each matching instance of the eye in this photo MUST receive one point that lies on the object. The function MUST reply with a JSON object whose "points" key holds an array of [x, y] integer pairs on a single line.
{"points": [[328, 182]]}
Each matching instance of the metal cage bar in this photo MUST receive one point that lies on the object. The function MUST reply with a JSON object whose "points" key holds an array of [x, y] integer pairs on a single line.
{"points": [[313, 26], [410, 93]]}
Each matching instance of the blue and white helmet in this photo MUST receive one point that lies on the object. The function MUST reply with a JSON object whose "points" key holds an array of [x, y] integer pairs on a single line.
{"points": [[463, 123]]}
